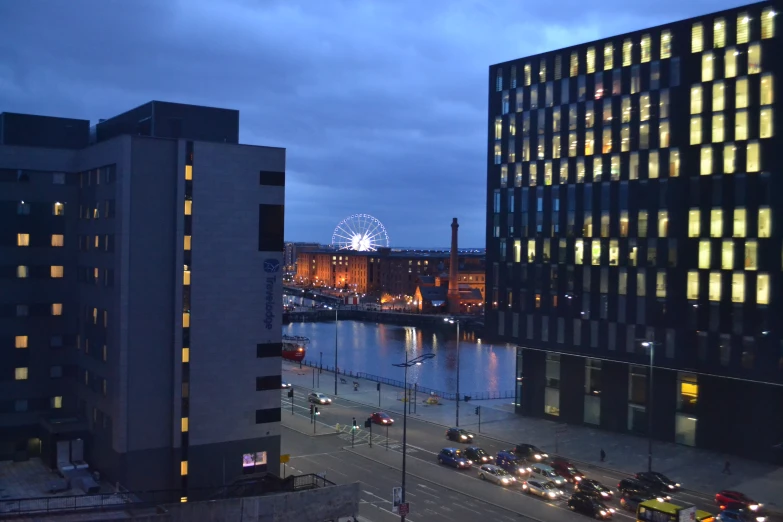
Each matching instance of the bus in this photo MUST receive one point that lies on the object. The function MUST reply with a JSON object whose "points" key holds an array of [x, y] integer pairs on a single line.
{"points": [[656, 511]]}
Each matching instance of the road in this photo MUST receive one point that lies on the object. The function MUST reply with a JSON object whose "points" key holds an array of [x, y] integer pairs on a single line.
{"points": [[434, 492]]}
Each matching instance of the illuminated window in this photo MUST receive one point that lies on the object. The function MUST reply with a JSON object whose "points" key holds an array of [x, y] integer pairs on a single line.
{"points": [[57, 402], [741, 126], [512, 155], [743, 98], [754, 58], [20, 374], [766, 97], [517, 251], [187, 242], [694, 222], [608, 56], [58, 240], [716, 222], [184, 424], [663, 134], [548, 173], [762, 289], [20, 341], [727, 254], [526, 149], [573, 69], [580, 170], [729, 158], [533, 174], [56, 271], [714, 290], [738, 287], [706, 161], [542, 71], [644, 107], [644, 136], [663, 104], [556, 121], [186, 355], [587, 228], [596, 252], [512, 125], [22, 272], [589, 115], [730, 62], [743, 28], [598, 168], [625, 109], [615, 167], [674, 163], [579, 251], [718, 133], [58, 209], [646, 54], [498, 160], [590, 60], [642, 223], [753, 154], [765, 222], [718, 97], [653, 165], [697, 38], [589, 142], [666, 44], [498, 135], [23, 240], [704, 254], [740, 222], [627, 46], [563, 172], [614, 252], [695, 130], [57, 309], [768, 23], [186, 320], [641, 283], [663, 223], [693, 285], [765, 123], [527, 73], [606, 140], [183, 467], [751, 255], [719, 33], [188, 172], [707, 67], [696, 99]]}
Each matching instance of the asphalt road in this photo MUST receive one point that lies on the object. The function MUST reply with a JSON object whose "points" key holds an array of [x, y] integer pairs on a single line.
{"points": [[437, 491]]}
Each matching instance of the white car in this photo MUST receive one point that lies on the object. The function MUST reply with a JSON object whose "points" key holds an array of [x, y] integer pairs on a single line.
{"points": [[542, 488], [547, 473], [318, 398], [496, 474]]}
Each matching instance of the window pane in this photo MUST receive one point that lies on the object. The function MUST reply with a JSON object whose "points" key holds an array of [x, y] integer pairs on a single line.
{"points": [[646, 54], [719, 34], [627, 46], [742, 93], [741, 126], [743, 28], [767, 90], [693, 285], [730, 62], [674, 163], [738, 287], [707, 67], [765, 222], [740, 222], [762, 289], [608, 56], [590, 60], [717, 128], [768, 23], [704, 254], [727, 255], [716, 222], [729, 158], [697, 39], [694, 222], [644, 136], [718, 97], [663, 104], [695, 135], [666, 44], [696, 99], [751, 255], [653, 165], [574, 68], [754, 160], [765, 123], [754, 59], [663, 134], [714, 288]]}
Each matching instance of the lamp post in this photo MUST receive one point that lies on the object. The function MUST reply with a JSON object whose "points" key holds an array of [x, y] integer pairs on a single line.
{"points": [[407, 364], [651, 346], [456, 321], [335, 350]]}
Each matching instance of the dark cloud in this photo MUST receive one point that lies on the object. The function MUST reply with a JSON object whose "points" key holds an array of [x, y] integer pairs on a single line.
{"points": [[381, 105]]}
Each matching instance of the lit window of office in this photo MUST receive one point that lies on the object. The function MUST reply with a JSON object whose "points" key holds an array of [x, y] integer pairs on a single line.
{"points": [[57, 309], [512, 125], [498, 135], [695, 134], [533, 174], [641, 223], [548, 173], [696, 99], [186, 320], [517, 176], [590, 60], [563, 172], [707, 67], [23, 240], [738, 287], [730, 62], [21, 341], [528, 73], [693, 285], [741, 126], [767, 93], [556, 121], [644, 107], [762, 289], [58, 209], [666, 44], [653, 165], [188, 172], [718, 134], [663, 103], [598, 168], [751, 255], [187, 243], [185, 423], [663, 223], [714, 288], [674, 163], [716, 222], [188, 207], [718, 97], [58, 240], [729, 158], [727, 254], [573, 69], [694, 222], [740, 222], [646, 51], [558, 67], [615, 171], [754, 58], [20, 374], [753, 157], [579, 251], [556, 146], [606, 139], [624, 223], [704, 254], [627, 47], [589, 143], [697, 38], [542, 70], [765, 123], [589, 115], [608, 56], [719, 33], [743, 28], [625, 138], [183, 468], [768, 23], [57, 402], [56, 271], [22, 272], [596, 252], [660, 284], [765, 222], [186, 355], [663, 134], [625, 109], [580, 170]]}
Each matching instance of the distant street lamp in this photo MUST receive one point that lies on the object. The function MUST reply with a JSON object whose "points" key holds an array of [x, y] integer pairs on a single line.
{"points": [[651, 346], [335, 351], [451, 320], [407, 364]]}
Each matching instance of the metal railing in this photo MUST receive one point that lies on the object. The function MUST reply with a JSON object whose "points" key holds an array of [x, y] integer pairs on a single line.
{"points": [[311, 481]]}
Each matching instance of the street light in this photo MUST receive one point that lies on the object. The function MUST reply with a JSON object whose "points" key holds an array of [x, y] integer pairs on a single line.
{"points": [[651, 346], [407, 364], [335, 351], [451, 320]]}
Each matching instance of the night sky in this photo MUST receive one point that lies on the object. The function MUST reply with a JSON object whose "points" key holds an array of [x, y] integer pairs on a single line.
{"points": [[381, 104]]}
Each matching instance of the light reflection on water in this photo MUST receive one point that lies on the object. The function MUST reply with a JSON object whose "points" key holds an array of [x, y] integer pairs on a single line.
{"points": [[373, 348]]}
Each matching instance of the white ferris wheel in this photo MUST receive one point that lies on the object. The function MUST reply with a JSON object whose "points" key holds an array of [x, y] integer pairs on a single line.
{"points": [[360, 232]]}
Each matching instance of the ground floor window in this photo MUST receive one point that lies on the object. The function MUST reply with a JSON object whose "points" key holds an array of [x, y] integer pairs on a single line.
{"points": [[592, 410], [685, 429], [552, 401], [637, 418]]}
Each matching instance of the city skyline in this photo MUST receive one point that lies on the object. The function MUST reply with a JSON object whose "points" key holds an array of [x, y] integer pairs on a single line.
{"points": [[424, 143]]}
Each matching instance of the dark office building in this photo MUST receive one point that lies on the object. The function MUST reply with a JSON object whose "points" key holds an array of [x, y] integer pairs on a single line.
{"points": [[138, 261], [634, 221]]}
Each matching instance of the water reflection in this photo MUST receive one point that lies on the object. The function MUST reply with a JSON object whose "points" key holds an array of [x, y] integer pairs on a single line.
{"points": [[373, 348]]}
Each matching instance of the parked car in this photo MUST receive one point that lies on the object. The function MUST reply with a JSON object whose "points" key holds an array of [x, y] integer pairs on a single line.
{"points": [[454, 458], [511, 463], [631, 501], [477, 455], [566, 470], [725, 497], [381, 418], [657, 481], [318, 398], [594, 489], [631, 486], [542, 488], [547, 473], [530, 452], [739, 515], [589, 505], [459, 435], [496, 474]]}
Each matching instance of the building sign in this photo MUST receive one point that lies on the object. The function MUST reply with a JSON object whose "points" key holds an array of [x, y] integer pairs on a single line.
{"points": [[272, 271]]}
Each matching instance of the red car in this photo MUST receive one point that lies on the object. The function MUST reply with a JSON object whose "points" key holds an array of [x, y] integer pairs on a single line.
{"points": [[381, 418], [566, 470], [727, 497]]}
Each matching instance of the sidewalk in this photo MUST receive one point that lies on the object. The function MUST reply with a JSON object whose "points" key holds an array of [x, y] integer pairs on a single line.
{"points": [[698, 470]]}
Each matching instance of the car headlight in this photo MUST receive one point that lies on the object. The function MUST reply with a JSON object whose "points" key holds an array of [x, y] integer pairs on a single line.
{"points": [[470, 462], [552, 494], [677, 485], [753, 507], [577, 478], [530, 470], [660, 499], [537, 456], [603, 512], [611, 510], [604, 494], [671, 487], [462, 437], [505, 481]]}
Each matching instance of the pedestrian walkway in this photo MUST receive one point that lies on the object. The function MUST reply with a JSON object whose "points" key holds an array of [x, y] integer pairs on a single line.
{"points": [[697, 469]]}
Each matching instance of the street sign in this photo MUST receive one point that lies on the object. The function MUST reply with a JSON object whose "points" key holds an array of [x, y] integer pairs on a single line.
{"points": [[396, 499], [404, 510], [285, 458]]}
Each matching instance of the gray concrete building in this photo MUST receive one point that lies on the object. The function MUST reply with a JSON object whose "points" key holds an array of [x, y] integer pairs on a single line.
{"points": [[141, 294]]}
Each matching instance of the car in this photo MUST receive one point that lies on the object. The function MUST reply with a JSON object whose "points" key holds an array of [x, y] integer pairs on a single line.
{"points": [[594, 489], [477, 455], [566, 470], [459, 435], [496, 474], [381, 418], [739, 515], [726, 497], [589, 505], [285, 385], [545, 472], [511, 463], [454, 458], [657, 481], [631, 486], [530, 453], [318, 398], [631, 501], [542, 488]]}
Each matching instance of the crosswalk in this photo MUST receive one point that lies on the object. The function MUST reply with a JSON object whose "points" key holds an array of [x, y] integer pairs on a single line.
{"points": [[363, 436]]}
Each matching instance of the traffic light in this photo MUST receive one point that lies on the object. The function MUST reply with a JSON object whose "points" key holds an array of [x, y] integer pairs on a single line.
{"points": [[312, 409], [316, 410], [477, 409], [355, 426], [378, 386], [291, 392], [367, 423]]}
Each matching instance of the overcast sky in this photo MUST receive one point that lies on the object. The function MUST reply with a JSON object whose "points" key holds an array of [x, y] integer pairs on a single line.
{"points": [[380, 104]]}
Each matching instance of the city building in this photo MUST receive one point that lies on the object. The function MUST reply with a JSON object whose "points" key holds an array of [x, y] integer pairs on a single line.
{"points": [[292, 251], [633, 222], [140, 284]]}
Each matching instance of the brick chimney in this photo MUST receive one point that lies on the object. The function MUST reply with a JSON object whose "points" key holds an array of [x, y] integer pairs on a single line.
{"points": [[453, 294]]}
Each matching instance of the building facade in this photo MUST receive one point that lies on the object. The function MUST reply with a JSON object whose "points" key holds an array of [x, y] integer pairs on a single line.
{"points": [[142, 278], [634, 231]]}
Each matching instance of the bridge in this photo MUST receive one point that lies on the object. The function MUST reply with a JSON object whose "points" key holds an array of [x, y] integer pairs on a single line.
{"points": [[294, 291]]}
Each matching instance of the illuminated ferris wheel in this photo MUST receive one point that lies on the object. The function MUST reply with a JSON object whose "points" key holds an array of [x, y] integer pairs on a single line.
{"points": [[360, 232]]}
